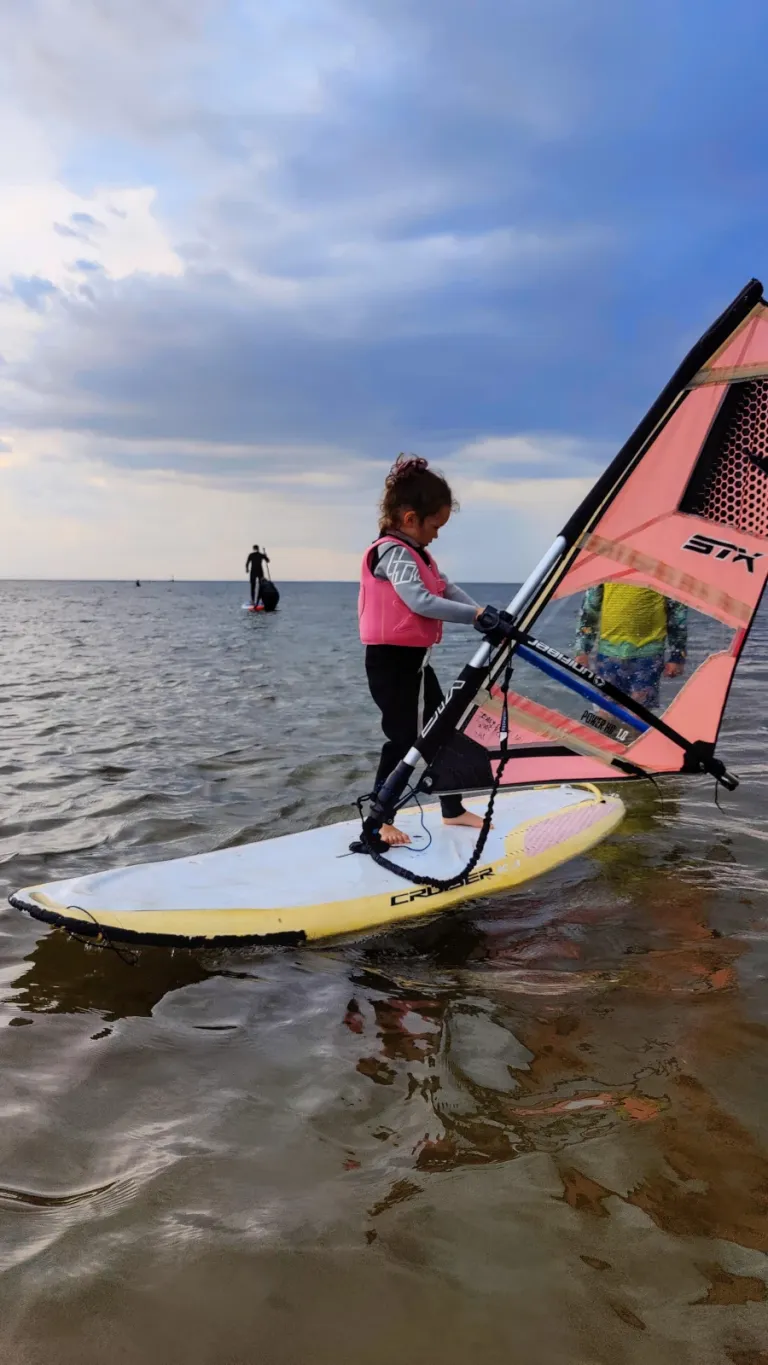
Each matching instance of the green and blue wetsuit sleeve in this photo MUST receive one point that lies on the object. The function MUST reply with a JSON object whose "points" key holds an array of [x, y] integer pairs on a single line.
{"points": [[589, 620], [677, 631]]}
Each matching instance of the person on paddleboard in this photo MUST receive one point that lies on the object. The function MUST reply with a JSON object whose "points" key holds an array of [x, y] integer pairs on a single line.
{"points": [[254, 566], [639, 636], [403, 602]]}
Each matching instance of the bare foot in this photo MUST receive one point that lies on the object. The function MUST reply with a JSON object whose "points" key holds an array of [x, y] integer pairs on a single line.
{"points": [[467, 817], [394, 836]]}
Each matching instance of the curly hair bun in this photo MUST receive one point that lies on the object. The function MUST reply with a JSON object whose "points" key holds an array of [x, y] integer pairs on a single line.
{"points": [[405, 466]]}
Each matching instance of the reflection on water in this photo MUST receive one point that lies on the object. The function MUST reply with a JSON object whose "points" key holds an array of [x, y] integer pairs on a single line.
{"points": [[530, 1130], [66, 976]]}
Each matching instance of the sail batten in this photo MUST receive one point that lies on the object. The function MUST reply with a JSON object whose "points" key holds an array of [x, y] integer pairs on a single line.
{"points": [[730, 374]]}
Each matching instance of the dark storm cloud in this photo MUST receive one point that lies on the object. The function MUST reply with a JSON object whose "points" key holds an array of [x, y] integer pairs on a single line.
{"points": [[184, 360]]}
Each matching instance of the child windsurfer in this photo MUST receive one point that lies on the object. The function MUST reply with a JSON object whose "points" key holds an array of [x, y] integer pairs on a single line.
{"points": [[403, 602]]}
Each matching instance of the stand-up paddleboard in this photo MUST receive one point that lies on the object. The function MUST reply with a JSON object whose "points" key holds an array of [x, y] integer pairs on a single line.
{"points": [[248, 606], [309, 886]]}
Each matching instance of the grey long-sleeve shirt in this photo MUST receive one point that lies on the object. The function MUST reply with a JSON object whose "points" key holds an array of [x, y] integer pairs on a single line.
{"points": [[399, 564]]}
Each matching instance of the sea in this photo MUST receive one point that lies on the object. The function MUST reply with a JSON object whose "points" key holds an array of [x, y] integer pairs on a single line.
{"points": [[532, 1131]]}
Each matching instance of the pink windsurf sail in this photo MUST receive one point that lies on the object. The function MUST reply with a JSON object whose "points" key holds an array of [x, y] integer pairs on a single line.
{"points": [[629, 633]]}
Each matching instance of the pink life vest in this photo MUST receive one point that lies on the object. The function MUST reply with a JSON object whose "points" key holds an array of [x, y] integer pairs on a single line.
{"points": [[384, 617]]}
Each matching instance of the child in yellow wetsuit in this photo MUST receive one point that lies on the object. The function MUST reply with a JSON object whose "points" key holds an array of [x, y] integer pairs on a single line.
{"points": [[640, 636]]}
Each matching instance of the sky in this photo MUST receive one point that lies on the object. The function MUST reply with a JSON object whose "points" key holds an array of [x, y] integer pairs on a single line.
{"points": [[249, 252]]}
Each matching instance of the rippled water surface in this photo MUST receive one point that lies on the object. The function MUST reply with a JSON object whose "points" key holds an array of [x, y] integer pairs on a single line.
{"points": [[531, 1131]]}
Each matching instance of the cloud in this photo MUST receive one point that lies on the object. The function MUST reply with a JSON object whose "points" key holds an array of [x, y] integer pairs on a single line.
{"points": [[346, 261], [95, 519], [152, 509], [540, 455], [129, 239], [38, 266], [248, 252], [32, 291]]}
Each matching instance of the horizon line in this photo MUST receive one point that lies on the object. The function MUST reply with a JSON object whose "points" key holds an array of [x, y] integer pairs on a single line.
{"points": [[236, 582]]}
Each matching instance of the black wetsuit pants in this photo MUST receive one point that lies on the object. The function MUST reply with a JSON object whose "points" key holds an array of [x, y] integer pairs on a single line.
{"points": [[394, 677], [256, 577]]}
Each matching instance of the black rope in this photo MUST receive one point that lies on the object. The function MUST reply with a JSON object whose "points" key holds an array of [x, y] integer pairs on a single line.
{"points": [[461, 878], [659, 792], [426, 832], [101, 940]]}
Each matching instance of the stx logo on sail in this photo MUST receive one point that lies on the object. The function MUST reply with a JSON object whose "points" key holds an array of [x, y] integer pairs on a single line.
{"points": [[723, 549]]}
